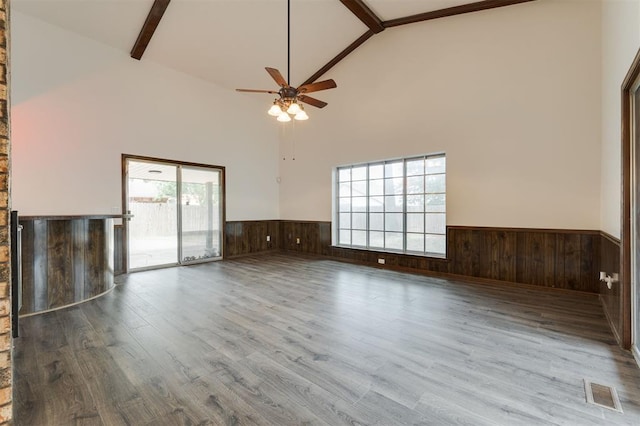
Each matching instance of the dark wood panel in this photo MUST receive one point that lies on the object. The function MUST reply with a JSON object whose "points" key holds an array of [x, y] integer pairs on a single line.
{"points": [[99, 258], [568, 262], [40, 262], [28, 266], [230, 248], [59, 263], [274, 232], [589, 263], [564, 259], [506, 261], [611, 298], [79, 229], [65, 261], [119, 250], [465, 254], [536, 258], [250, 237]]}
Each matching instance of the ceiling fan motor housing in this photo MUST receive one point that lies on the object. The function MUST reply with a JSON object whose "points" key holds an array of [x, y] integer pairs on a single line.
{"points": [[288, 93]]}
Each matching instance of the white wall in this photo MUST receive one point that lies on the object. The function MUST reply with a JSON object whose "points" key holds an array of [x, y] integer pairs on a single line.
{"points": [[77, 105], [620, 43], [512, 95]]}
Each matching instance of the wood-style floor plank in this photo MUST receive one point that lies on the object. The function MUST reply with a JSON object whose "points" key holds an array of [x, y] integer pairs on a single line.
{"points": [[285, 340]]}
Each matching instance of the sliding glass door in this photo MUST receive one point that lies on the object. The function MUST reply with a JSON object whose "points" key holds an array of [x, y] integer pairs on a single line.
{"points": [[177, 212], [200, 214]]}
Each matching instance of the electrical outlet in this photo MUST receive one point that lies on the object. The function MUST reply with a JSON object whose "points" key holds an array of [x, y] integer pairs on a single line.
{"points": [[268, 238], [381, 261], [297, 240]]}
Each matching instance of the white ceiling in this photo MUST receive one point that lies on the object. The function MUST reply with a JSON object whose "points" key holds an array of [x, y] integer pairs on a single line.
{"points": [[227, 42]]}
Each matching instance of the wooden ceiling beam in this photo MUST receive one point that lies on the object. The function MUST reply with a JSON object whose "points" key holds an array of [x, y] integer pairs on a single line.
{"points": [[366, 15], [353, 46], [451, 11], [149, 27]]}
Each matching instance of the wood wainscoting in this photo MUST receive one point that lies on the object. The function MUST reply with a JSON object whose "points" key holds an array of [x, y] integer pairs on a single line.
{"points": [[552, 258], [119, 250], [246, 237], [65, 260], [611, 298]]}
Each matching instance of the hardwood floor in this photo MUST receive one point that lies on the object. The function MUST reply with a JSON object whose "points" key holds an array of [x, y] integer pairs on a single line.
{"points": [[282, 340]]}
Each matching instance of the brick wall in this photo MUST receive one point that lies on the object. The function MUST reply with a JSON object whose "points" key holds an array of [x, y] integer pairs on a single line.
{"points": [[6, 411]]}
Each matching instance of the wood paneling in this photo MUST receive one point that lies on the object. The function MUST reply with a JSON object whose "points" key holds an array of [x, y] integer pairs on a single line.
{"points": [[250, 237], [28, 265], [545, 258], [99, 257], [552, 258], [65, 261], [315, 237], [611, 298], [119, 250], [60, 263]]}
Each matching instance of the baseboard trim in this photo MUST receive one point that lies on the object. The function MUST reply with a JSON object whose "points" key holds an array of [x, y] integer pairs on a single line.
{"points": [[612, 326], [636, 353]]}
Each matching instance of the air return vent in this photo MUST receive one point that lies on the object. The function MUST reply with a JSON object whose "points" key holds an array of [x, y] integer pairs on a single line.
{"points": [[603, 396]]}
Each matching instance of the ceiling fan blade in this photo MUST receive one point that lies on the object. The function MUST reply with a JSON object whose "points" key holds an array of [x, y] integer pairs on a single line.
{"points": [[315, 87], [275, 74], [312, 101], [256, 91]]}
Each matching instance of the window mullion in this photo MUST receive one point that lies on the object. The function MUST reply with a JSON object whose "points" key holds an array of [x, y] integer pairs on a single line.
{"points": [[384, 205], [337, 201], [404, 206], [366, 209], [351, 207]]}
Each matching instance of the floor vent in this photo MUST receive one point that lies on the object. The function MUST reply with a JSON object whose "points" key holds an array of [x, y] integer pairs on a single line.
{"points": [[603, 396]]}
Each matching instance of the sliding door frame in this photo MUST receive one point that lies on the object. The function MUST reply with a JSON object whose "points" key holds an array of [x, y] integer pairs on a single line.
{"points": [[124, 191]]}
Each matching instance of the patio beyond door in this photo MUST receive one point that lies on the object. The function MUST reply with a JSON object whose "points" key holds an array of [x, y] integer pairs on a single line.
{"points": [[177, 212]]}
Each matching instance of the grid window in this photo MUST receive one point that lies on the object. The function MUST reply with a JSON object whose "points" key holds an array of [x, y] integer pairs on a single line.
{"points": [[396, 205]]}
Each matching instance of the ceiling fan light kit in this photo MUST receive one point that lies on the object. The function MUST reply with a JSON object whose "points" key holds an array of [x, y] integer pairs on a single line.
{"points": [[290, 98]]}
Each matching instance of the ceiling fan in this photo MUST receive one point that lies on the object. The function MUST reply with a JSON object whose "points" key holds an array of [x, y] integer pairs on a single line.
{"points": [[290, 97]]}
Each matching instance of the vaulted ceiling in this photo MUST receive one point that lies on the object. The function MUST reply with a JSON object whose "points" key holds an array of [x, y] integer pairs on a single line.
{"points": [[229, 42]]}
